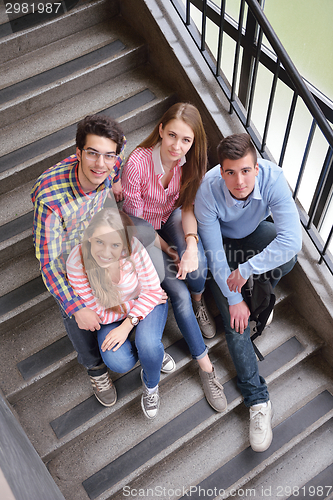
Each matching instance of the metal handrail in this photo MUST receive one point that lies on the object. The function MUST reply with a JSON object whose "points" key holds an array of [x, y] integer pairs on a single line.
{"points": [[283, 68], [294, 75]]}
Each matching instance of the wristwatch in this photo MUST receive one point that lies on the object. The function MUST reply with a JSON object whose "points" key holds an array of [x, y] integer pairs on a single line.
{"points": [[134, 319]]}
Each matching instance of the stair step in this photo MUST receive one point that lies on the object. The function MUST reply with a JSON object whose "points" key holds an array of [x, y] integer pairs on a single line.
{"points": [[11, 22], [60, 52], [162, 455], [320, 486], [17, 39], [60, 83], [305, 471], [247, 462]]}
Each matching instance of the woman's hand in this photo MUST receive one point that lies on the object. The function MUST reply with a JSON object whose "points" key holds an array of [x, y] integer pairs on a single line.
{"points": [[189, 261], [173, 254], [116, 337], [163, 299]]}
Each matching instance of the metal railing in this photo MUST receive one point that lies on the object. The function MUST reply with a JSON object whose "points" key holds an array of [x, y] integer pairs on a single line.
{"points": [[250, 53]]}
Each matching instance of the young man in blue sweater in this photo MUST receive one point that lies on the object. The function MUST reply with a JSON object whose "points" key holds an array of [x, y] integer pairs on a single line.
{"points": [[232, 206]]}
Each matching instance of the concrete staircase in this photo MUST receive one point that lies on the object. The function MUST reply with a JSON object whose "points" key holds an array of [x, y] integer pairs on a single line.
{"points": [[53, 74]]}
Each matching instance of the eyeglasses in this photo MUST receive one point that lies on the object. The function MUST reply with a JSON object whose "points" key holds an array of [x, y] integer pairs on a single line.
{"points": [[109, 158]]}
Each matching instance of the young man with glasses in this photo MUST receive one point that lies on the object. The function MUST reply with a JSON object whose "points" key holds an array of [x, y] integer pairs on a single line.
{"points": [[65, 198]]}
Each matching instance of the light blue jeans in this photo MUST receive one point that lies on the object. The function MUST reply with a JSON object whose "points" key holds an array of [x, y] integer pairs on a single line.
{"points": [[147, 346], [177, 290], [251, 384]]}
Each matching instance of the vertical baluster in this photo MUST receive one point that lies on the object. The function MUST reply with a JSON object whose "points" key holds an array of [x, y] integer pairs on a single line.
{"points": [[254, 79], [203, 25], [305, 157], [236, 59], [220, 40], [188, 12], [288, 128], [320, 186], [326, 246], [270, 105]]}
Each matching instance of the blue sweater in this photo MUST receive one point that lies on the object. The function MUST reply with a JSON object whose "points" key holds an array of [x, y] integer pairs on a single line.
{"points": [[220, 215]]}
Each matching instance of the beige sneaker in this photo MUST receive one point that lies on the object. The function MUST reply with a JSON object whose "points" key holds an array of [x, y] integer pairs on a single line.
{"points": [[204, 318], [261, 434], [104, 389], [213, 390]]}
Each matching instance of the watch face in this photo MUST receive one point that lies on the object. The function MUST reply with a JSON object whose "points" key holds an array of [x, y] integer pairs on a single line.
{"points": [[134, 321]]}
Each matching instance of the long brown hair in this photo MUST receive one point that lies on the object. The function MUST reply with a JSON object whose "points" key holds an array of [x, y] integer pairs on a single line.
{"points": [[104, 290], [196, 157]]}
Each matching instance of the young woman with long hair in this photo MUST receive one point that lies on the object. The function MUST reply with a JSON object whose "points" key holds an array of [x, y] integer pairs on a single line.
{"points": [[112, 272], [160, 180]]}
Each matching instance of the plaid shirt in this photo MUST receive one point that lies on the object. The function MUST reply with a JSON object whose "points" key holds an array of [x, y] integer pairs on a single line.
{"points": [[62, 211]]}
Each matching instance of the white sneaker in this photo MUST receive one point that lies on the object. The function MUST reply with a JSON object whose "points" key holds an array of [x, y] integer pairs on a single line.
{"points": [[261, 434], [168, 364]]}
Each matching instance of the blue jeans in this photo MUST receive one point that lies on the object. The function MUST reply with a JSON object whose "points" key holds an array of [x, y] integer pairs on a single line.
{"points": [[250, 383], [239, 251], [177, 290], [147, 347], [85, 344]]}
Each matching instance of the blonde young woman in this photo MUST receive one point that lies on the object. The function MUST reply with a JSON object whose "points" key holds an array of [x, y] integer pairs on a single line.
{"points": [[160, 181], [112, 272]]}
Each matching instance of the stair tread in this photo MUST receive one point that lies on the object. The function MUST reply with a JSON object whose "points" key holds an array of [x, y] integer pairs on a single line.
{"points": [[100, 97], [118, 93], [16, 22], [10, 279], [313, 469], [203, 453], [60, 52], [18, 38]]}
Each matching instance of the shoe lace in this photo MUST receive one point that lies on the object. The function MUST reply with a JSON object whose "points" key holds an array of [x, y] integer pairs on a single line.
{"points": [[151, 400], [257, 417], [215, 387], [201, 314], [102, 382]]}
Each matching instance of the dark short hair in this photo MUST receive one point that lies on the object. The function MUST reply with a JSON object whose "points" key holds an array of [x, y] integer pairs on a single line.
{"points": [[234, 147], [101, 125]]}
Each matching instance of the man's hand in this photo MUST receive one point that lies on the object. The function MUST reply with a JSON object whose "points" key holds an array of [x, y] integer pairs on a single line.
{"points": [[235, 281], [239, 316], [117, 191], [87, 319]]}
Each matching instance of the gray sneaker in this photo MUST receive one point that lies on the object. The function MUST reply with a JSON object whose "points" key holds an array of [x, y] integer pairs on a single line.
{"points": [[150, 403], [104, 389], [213, 390], [168, 364], [204, 318]]}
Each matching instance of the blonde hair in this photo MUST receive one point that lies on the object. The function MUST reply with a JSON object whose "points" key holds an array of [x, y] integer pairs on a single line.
{"points": [[196, 157], [104, 290]]}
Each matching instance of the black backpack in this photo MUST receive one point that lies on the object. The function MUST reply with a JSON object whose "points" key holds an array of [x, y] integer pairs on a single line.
{"points": [[260, 298]]}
